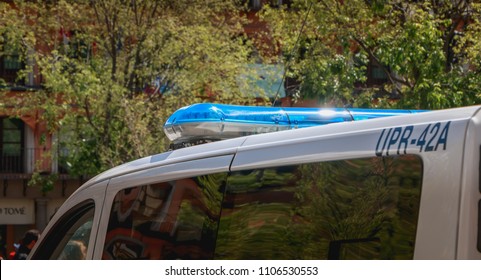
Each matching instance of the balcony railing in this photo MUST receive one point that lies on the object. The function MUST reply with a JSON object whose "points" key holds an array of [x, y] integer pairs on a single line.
{"points": [[29, 160]]}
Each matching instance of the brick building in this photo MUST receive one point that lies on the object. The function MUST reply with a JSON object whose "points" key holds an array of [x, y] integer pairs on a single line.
{"points": [[26, 148]]}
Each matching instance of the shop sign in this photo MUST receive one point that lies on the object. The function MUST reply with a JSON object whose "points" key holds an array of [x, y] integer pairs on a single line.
{"points": [[17, 211]]}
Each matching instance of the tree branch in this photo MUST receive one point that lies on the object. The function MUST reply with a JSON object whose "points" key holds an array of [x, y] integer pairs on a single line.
{"points": [[391, 78]]}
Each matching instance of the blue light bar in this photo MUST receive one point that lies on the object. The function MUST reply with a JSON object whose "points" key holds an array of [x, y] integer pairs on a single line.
{"points": [[366, 114], [218, 121]]}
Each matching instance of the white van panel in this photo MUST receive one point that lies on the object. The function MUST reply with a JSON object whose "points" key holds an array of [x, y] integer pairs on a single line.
{"points": [[171, 172], [340, 140], [192, 153], [155, 175], [439, 209], [470, 193]]}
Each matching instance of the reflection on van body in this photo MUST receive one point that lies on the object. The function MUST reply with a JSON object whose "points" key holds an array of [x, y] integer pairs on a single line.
{"points": [[368, 208], [356, 209], [170, 220]]}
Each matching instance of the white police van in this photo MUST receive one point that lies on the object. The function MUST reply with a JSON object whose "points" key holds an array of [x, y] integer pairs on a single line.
{"points": [[396, 185]]}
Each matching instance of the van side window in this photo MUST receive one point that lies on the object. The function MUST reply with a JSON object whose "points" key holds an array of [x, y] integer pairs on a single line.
{"points": [[76, 247], [168, 220], [348, 209], [69, 238]]}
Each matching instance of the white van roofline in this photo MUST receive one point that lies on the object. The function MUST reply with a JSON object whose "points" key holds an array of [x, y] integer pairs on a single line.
{"points": [[231, 146]]}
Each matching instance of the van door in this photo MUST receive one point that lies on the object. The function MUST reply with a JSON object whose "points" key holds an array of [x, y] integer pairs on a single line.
{"points": [[71, 233], [165, 212], [469, 235]]}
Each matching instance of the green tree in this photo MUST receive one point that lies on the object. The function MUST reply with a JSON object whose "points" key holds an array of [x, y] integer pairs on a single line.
{"points": [[114, 70], [428, 50]]}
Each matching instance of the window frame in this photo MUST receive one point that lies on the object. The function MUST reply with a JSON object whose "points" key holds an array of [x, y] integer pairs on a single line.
{"points": [[56, 238], [19, 164], [10, 75]]}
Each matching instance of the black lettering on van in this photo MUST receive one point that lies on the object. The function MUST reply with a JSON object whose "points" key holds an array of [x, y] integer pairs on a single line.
{"points": [[380, 152], [408, 130], [394, 138], [443, 138], [428, 138]]}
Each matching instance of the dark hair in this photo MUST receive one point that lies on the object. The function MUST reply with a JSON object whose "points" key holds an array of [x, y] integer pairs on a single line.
{"points": [[30, 235]]}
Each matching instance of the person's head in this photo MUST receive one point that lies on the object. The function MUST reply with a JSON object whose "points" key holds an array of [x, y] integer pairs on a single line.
{"points": [[30, 238], [74, 250]]}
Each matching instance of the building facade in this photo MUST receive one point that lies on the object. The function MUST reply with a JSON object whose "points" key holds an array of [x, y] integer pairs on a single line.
{"points": [[27, 149]]}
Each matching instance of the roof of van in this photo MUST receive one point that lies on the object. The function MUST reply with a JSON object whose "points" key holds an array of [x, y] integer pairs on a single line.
{"points": [[231, 146]]}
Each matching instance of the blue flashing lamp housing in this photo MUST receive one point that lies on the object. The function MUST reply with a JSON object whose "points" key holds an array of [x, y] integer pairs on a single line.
{"points": [[365, 114], [212, 122]]}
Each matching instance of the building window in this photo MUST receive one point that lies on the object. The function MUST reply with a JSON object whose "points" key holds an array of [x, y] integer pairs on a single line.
{"points": [[255, 4], [74, 46], [276, 3], [12, 145], [10, 65], [10, 62], [376, 75]]}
